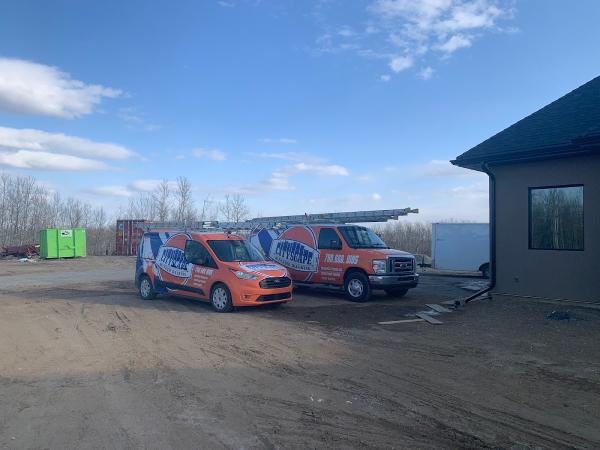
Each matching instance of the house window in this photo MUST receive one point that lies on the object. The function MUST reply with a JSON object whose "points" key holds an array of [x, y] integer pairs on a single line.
{"points": [[556, 218]]}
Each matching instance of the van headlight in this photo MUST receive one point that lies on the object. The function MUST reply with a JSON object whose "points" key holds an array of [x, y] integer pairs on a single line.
{"points": [[379, 266], [244, 275]]}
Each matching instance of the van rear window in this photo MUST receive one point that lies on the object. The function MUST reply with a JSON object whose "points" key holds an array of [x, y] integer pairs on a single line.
{"points": [[228, 250]]}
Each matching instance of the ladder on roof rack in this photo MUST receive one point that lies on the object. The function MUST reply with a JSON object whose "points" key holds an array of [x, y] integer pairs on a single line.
{"points": [[380, 215]]}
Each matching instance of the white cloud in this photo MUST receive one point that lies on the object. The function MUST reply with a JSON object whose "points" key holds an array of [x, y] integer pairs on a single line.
{"points": [[279, 181], [42, 141], [407, 32], [473, 191], [31, 88], [443, 168], [36, 149], [135, 187], [26, 159], [135, 120], [400, 63], [148, 185], [426, 73], [290, 156], [284, 141], [321, 169], [303, 163], [375, 196], [145, 185], [213, 154], [454, 43], [385, 78], [346, 31], [112, 191]]}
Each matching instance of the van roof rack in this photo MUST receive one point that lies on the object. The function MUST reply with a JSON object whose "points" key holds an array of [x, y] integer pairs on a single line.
{"points": [[207, 226]]}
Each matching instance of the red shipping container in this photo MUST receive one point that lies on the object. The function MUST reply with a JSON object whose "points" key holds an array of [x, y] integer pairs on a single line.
{"points": [[128, 236]]}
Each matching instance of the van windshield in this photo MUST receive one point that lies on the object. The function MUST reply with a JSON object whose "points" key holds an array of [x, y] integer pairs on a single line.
{"points": [[361, 237], [229, 250]]}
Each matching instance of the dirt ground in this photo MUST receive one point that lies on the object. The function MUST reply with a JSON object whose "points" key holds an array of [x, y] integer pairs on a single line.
{"points": [[84, 363]]}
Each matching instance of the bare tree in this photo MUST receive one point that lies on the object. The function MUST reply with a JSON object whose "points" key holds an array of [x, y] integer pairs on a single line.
{"points": [[413, 237], [142, 206], [209, 210], [184, 207], [162, 198], [234, 209], [26, 207]]}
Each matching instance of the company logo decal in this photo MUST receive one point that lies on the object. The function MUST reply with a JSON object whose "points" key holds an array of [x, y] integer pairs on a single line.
{"points": [[295, 255], [172, 260], [259, 267]]}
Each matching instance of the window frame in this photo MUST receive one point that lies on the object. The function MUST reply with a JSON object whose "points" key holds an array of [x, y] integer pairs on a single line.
{"points": [[340, 247], [211, 262], [530, 224]]}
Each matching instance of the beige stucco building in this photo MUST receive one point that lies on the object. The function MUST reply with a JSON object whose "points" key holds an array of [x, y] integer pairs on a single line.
{"points": [[545, 199]]}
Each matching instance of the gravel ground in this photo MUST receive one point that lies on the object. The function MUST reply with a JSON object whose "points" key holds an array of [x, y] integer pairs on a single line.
{"points": [[84, 363]]}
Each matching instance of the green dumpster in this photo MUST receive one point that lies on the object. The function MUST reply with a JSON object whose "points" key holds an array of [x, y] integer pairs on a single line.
{"points": [[62, 243]]}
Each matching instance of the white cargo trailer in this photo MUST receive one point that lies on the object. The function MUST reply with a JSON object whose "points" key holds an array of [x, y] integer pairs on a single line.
{"points": [[461, 246]]}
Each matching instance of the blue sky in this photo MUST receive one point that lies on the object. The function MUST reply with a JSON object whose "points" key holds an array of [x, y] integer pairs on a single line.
{"points": [[300, 106]]}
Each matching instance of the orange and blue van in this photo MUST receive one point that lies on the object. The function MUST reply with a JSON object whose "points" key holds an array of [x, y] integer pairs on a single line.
{"points": [[342, 255], [217, 266]]}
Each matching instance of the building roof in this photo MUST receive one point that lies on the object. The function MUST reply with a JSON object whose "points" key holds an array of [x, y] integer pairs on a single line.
{"points": [[568, 126]]}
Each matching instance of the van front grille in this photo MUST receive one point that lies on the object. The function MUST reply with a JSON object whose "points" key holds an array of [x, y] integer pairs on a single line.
{"points": [[402, 265], [275, 282]]}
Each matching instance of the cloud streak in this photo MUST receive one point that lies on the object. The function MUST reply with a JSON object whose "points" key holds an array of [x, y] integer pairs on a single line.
{"points": [[26, 148], [212, 154], [25, 159], [283, 141], [411, 33], [30, 88]]}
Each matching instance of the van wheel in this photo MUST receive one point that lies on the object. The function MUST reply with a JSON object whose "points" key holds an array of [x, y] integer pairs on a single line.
{"points": [[146, 290], [398, 293], [357, 287], [220, 298]]}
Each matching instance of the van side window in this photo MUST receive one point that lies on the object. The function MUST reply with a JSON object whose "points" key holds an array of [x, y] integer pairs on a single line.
{"points": [[197, 254], [329, 239]]}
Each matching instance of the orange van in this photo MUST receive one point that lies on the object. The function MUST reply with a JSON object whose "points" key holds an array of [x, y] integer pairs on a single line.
{"points": [[348, 256], [216, 266]]}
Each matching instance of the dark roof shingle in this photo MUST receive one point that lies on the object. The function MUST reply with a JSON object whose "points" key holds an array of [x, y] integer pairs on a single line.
{"points": [[559, 125]]}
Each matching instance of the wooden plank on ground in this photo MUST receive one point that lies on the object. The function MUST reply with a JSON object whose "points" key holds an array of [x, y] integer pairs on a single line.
{"points": [[438, 308], [393, 322], [427, 318]]}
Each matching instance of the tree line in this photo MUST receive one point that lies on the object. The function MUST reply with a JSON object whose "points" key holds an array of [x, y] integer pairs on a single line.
{"points": [[27, 206], [412, 237], [174, 201]]}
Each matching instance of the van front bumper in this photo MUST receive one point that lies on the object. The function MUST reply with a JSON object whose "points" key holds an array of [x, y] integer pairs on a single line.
{"points": [[251, 297], [392, 281]]}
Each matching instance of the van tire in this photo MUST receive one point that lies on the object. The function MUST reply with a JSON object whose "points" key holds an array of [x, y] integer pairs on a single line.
{"points": [[146, 289], [398, 292], [357, 287], [220, 298]]}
